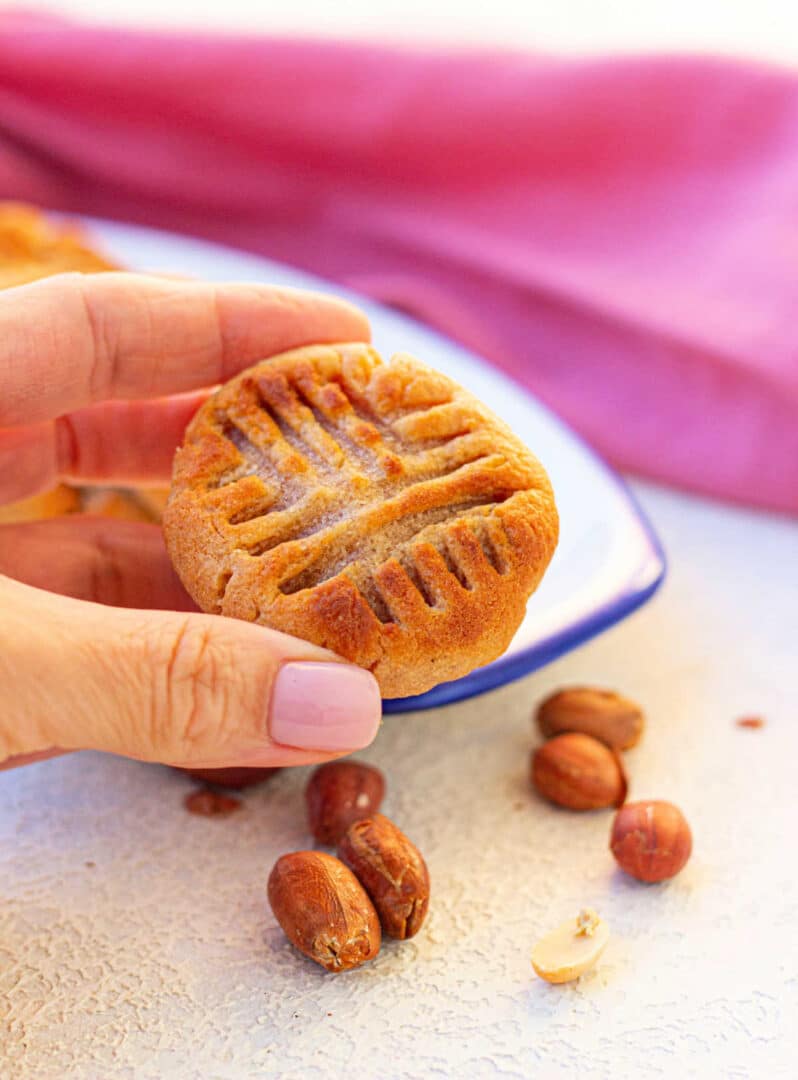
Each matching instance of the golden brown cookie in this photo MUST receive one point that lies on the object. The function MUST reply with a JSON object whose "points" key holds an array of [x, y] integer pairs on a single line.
{"points": [[32, 247], [376, 509]]}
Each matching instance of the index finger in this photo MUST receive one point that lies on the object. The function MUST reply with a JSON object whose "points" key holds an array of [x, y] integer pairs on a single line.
{"points": [[73, 339]]}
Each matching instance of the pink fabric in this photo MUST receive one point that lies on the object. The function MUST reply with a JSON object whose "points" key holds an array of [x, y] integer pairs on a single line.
{"points": [[619, 235]]}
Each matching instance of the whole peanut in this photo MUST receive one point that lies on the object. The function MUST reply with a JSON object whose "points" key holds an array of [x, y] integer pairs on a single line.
{"points": [[391, 870], [651, 840], [324, 910], [614, 720], [340, 793], [236, 777], [578, 772]]}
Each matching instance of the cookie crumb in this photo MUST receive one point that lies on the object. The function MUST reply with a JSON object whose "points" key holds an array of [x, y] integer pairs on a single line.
{"points": [[208, 803], [751, 722]]}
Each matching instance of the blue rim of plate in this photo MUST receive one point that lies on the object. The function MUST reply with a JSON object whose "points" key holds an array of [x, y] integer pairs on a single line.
{"points": [[640, 586]]}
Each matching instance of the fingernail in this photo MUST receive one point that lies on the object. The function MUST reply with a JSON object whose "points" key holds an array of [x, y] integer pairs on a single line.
{"points": [[324, 706]]}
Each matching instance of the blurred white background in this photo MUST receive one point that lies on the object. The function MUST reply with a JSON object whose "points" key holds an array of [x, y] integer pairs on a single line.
{"points": [[762, 28]]}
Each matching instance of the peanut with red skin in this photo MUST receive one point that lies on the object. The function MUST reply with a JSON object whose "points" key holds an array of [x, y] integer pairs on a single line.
{"points": [[392, 871], [612, 719], [324, 910], [340, 793], [651, 840], [578, 772], [235, 777]]}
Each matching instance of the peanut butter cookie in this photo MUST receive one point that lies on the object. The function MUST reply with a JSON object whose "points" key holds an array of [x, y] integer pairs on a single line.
{"points": [[376, 509]]}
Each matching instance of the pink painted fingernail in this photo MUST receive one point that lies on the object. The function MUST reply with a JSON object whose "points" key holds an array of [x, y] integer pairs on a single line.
{"points": [[324, 706]]}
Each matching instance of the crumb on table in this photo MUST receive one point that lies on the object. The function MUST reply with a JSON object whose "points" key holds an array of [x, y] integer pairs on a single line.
{"points": [[208, 803], [751, 722]]}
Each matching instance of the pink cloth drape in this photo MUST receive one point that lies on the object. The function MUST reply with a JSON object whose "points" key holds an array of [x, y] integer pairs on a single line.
{"points": [[620, 235]]}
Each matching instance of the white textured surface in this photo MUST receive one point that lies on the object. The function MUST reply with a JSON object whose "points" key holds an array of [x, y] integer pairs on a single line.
{"points": [[163, 960]]}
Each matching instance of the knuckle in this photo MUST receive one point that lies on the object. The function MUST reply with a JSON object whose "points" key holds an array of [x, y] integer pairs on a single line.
{"points": [[105, 575], [102, 343], [290, 300], [197, 694]]}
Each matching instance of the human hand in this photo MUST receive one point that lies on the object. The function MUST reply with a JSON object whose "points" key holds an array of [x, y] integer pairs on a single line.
{"points": [[90, 663]]}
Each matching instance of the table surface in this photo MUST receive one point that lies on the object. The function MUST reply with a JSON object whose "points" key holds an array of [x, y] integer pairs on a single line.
{"points": [[135, 939]]}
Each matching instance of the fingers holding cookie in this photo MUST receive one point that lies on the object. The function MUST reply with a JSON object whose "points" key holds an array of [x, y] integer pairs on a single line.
{"points": [[106, 561], [121, 442], [71, 340], [183, 688]]}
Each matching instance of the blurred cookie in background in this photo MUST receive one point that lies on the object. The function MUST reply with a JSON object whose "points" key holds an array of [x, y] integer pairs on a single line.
{"points": [[115, 503], [61, 500], [34, 246]]}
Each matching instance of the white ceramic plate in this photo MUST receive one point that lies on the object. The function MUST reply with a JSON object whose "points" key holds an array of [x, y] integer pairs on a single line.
{"points": [[609, 560]]}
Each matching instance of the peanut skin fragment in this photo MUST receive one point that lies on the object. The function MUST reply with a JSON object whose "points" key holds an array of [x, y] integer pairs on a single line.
{"points": [[751, 722], [206, 803]]}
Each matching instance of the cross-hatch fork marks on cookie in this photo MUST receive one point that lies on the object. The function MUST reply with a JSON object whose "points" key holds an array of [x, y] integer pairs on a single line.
{"points": [[277, 411]]}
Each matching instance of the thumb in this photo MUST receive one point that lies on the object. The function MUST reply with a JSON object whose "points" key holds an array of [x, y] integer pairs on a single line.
{"points": [[193, 689]]}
